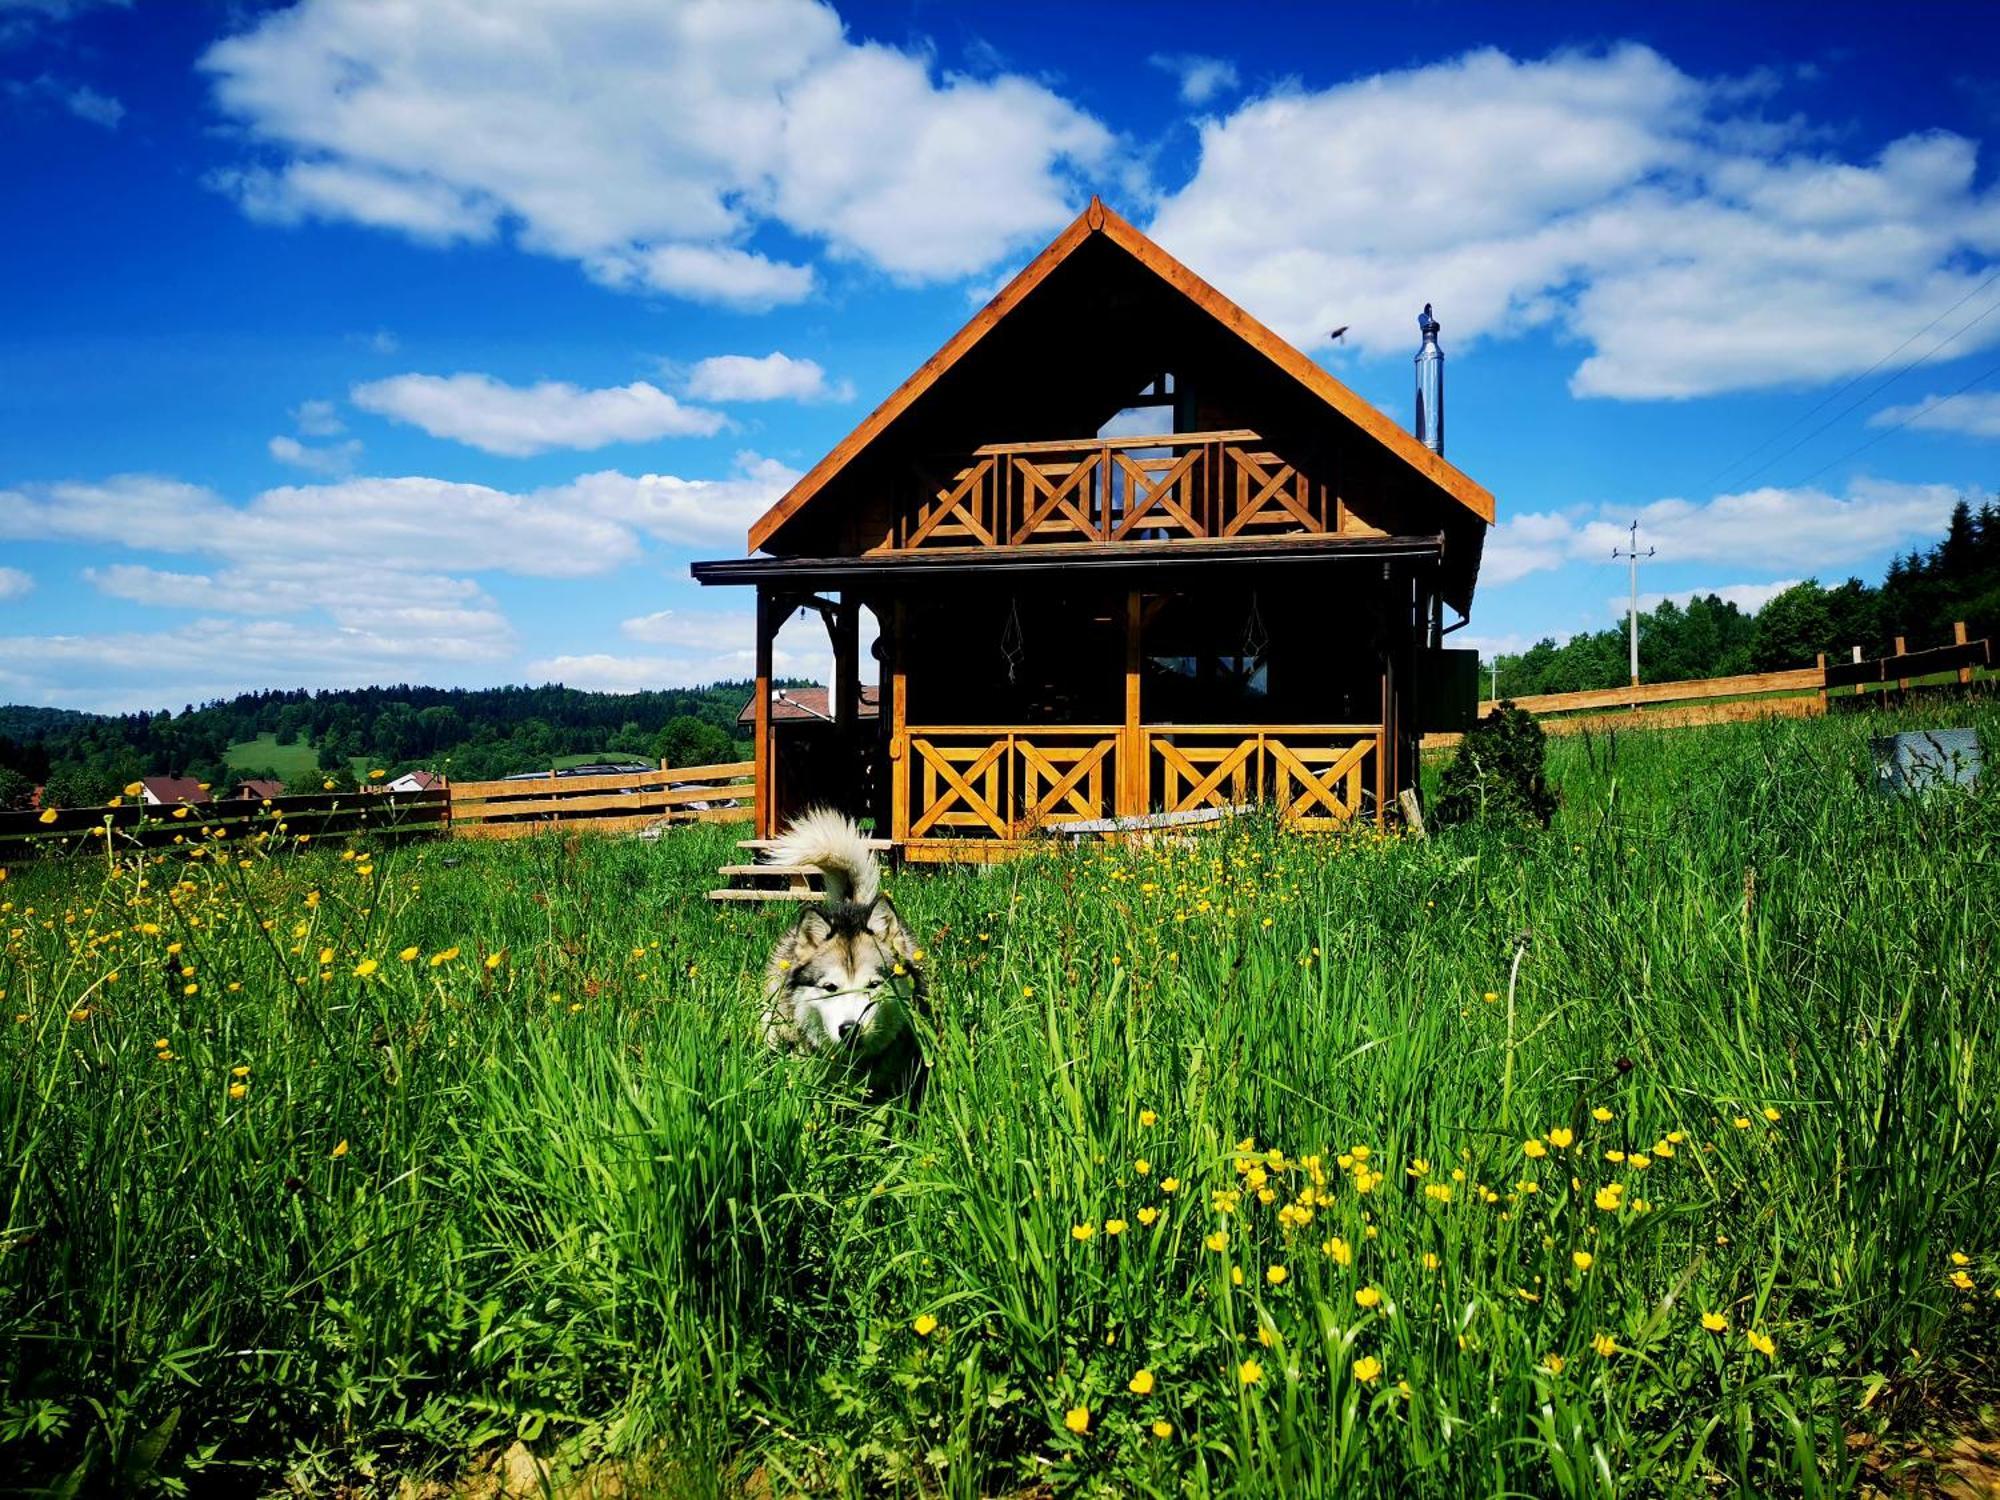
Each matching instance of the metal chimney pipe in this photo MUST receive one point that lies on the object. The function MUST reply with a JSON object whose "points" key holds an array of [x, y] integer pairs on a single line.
{"points": [[1430, 385]]}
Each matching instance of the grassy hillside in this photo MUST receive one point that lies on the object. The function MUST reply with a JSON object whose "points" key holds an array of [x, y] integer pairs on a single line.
{"points": [[1656, 1153], [292, 762]]}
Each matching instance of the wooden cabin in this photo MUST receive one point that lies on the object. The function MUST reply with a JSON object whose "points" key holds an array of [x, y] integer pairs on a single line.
{"points": [[1135, 560]]}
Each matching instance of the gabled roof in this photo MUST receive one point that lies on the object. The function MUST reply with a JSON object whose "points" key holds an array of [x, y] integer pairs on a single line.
{"points": [[801, 703], [173, 789], [1099, 220]]}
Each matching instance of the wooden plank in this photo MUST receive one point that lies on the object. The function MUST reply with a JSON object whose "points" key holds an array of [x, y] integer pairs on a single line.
{"points": [[1685, 716], [1157, 440], [1133, 773], [1962, 657], [544, 786], [766, 811], [527, 828], [1798, 679], [900, 764], [766, 895], [578, 807]]}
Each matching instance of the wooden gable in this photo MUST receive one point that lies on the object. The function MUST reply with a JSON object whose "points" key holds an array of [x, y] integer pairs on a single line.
{"points": [[1100, 316]]}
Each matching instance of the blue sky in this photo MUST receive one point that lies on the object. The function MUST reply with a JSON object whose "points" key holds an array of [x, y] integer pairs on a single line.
{"points": [[429, 340]]}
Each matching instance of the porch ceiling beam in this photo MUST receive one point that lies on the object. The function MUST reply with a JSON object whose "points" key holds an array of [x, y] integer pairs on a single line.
{"points": [[962, 562]]}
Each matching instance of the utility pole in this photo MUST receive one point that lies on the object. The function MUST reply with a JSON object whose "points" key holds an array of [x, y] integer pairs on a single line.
{"points": [[1633, 619], [1494, 696]]}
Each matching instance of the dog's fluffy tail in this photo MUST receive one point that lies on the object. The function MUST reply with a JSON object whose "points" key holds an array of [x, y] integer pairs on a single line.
{"points": [[830, 840]]}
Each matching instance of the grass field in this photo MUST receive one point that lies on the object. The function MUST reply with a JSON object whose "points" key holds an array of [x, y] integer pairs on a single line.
{"points": [[1652, 1154], [293, 762]]}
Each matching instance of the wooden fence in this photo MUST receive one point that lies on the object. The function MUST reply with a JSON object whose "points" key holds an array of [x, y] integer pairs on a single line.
{"points": [[622, 803], [1802, 692], [225, 824]]}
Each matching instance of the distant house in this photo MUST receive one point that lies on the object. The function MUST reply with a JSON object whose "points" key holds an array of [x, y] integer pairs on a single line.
{"points": [[259, 789], [170, 791], [805, 704], [414, 781]]}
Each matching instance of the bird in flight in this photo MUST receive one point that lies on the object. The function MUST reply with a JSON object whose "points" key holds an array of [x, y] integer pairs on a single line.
{"points": [[1336, 334]]}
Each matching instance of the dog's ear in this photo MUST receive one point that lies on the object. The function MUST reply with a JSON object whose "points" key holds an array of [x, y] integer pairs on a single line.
{"points": [[883, 918], [813, 926]]}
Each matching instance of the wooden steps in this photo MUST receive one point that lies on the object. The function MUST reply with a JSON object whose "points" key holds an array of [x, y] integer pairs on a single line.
{"points": [[753, 881]]}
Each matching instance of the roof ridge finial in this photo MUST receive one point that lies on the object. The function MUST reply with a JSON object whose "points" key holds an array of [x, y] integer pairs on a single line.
{"points": [[1094, 215]]}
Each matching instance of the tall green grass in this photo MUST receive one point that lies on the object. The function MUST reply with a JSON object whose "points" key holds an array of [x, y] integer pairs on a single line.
{"points": [[550, 1189]]}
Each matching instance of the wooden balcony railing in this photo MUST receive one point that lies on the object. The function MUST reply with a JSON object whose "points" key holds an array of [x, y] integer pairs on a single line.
{"points": [[1008, 782], [1172, 486]]}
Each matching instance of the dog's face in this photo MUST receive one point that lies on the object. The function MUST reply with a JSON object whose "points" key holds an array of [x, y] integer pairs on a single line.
{"points": [[840, 980]]}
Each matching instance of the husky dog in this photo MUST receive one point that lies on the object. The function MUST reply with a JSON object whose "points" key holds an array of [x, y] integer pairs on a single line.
{"points": [[844, 980]]}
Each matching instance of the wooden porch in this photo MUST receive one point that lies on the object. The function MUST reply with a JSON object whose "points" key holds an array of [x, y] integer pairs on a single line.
{"points": [[960, 786]]}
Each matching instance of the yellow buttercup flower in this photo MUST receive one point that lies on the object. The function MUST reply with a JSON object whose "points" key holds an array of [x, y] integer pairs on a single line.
{"points": [[1142, 1166], [366, 967], [494, 960], [1534, 1150], [1553, 1363], [1960, 1258], [1148, 1215], [444, 956], [1605, 1345], [338, 1151], [1170, 1184], [1276, 1275], [1367, 1369], [239, 1072], [1715, 1322], [48, 815], [1218, 1241], [1340, 1250], [134, 788], [1772, 1115], [1114, 1226], [238, 1090], [1367, 1296], [1077, 1419], [1163, 1429], [409, 953], [924, 1326], [1602, 1115], [1082, 1232], [1250, 1372], [1147, 1117], [1761, 1342], [1561, 1136], [1741, 1122], [1582, 1260], [1141, 1384]]}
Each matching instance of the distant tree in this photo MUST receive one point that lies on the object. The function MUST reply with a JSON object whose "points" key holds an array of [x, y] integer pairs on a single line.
{"points": [[16, 790], [1792, 628], [73, 785], [687, 741]]}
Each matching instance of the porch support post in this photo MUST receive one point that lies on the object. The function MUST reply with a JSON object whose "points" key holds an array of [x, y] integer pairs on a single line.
{"points": [[898, 685], [761, 755], [1133, 795], [845, 629]]}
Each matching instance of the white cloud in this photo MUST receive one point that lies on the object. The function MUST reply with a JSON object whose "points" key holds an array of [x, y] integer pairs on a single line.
{"points": [[701, 646], [724, 275], [1692, 246], [685, 512], [1801, 530], [15, 584], [1973, 414], [80, 99], [332, 458], [1202, 78], [647, 142], [318, 419], [522, 420], [774, 377], [397, 524]]}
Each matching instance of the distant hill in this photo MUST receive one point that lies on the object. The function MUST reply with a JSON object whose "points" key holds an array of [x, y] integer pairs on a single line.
{"points": [[299, 735]]}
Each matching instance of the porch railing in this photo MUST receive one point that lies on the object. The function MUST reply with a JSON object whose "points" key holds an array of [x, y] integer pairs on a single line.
{"points": [[1008, 782], [1173, 486]]}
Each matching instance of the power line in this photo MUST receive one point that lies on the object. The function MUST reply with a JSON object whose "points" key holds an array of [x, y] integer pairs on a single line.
{"points": [[1930, 406], [1872, 392], [1852, 382]]}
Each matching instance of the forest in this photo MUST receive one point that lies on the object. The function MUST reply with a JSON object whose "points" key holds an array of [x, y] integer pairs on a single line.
{"points": [[469, 734], [1922, 594]]}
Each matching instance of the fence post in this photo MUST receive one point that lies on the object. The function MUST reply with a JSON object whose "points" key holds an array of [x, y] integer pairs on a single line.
{"points": [[1821, 662], [1902, 683], [1958, 638]]}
